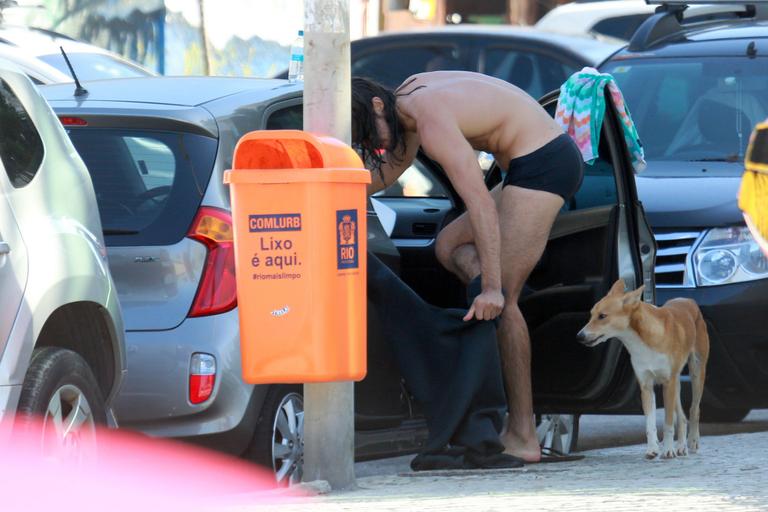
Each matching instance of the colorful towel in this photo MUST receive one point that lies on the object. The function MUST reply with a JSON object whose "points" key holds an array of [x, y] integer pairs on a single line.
{"points": [[581, 109]]}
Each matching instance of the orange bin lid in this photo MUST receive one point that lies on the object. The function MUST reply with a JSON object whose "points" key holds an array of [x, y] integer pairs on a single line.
{"points": [[292, 149], [311, 158], [297, 176]]}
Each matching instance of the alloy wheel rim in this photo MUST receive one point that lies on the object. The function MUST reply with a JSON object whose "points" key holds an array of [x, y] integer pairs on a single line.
{"points": [[288, 440], [69, 428], [555, 431]]}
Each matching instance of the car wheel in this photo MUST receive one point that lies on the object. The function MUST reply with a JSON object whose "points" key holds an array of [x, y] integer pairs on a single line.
{"points": [[711, 414], [278, 441], [60, 391], [558, 432]]}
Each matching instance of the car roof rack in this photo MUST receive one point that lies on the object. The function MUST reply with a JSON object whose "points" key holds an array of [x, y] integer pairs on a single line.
{"points": [[676, 17]]}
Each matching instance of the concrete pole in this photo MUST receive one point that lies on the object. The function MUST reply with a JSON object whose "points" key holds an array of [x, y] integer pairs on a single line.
{"points": [[329, 429]]}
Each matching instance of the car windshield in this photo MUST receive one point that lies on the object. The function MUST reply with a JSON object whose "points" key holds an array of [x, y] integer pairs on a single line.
{"points": [[694, 109], [94, 66]]}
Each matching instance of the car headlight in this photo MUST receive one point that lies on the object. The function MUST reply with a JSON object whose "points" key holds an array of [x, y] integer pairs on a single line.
{"points": [[728, 255]]}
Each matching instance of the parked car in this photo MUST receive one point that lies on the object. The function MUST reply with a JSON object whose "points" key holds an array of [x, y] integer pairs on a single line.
{"points": [[610, 20], [61, 331], [37, 52], [157, 149], [615, 19], [536, 61], [697, 88]]}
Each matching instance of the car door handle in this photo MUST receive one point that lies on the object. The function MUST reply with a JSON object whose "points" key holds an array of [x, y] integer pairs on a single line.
{"points": [[4, 247]]}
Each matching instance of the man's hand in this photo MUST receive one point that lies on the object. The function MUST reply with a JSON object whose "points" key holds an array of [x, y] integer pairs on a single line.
{"points": [[486, 306]]}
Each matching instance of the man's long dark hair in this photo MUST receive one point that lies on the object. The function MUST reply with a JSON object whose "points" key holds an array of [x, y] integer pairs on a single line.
{"points": [[364, 133]]}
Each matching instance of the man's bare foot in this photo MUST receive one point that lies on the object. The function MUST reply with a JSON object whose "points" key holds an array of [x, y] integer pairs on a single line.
{"points": [[528, 450]]}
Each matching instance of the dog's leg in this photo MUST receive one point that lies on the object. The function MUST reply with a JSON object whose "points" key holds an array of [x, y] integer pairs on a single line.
{"points": [[671, 392], [649, 409], [697, 370], [681, 447]]}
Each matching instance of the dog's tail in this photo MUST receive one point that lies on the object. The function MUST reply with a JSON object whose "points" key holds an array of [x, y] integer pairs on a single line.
{"points": [[697, 365], [701, 343]]}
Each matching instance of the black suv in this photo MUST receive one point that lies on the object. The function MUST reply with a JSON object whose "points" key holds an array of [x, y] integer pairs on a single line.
{"points": [[696, 87]]}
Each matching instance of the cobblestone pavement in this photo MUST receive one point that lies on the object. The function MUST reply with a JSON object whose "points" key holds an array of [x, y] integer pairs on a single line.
{"points": [[729, 473]]}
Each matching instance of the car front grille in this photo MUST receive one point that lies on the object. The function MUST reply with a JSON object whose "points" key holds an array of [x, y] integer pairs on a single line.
{"points": [[672, 257]]}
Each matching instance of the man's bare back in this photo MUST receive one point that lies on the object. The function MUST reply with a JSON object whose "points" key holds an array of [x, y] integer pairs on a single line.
{"points": [[500, 119], [449, 114]]}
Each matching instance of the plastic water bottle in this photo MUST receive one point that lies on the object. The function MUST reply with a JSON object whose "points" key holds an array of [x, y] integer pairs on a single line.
{"points": [[296, 67]]}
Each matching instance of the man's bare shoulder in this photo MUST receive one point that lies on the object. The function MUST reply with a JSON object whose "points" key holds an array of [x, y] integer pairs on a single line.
{"points": [[421, 96]]}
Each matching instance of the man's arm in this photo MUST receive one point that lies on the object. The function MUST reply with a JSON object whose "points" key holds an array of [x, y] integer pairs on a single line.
{"points": [[392, 168], [444, 142]]}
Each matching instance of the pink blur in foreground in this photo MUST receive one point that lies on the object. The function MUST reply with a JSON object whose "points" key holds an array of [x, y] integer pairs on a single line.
{"points": [[126, 471]]}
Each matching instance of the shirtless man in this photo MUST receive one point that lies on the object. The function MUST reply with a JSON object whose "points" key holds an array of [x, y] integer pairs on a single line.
{"points": [[503, 233]]}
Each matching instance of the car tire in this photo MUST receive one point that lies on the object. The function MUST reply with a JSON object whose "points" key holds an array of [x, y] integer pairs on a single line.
{"points": [[711, 414], [60, 390], [558, 432], [278, 440]]}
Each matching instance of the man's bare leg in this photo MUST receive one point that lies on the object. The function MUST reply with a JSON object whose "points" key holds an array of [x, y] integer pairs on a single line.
{"points": [[526, 217], [466, 262]]}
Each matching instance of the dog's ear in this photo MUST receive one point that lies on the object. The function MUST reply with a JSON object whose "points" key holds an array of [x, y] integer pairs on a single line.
{"points": [[632, 299], [618, 287]]}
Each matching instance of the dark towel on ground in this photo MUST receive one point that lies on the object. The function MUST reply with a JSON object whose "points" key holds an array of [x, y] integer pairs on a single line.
{"points": [[450, 366]]}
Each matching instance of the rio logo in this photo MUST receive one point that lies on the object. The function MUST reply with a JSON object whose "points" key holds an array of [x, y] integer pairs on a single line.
{"points": [[346, 239]]}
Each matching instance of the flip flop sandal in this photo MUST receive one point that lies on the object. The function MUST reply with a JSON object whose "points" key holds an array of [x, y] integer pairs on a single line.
{"points": [[437, 461], [473, 460], [553, 455]]}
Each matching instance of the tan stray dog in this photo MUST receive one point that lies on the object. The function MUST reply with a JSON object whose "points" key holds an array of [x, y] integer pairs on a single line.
{"points": [[660, 341]]}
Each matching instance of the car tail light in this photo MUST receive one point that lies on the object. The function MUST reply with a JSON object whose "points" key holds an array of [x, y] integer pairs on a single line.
{"points": [[217, 292], [202, 377], [73, 121]]}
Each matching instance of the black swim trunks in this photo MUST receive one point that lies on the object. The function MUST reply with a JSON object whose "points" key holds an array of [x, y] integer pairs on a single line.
{"points": [[556, 167]]}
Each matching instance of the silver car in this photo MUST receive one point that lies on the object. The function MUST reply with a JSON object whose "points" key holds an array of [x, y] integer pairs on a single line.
{"points": [[156, 149], [61, 330]]}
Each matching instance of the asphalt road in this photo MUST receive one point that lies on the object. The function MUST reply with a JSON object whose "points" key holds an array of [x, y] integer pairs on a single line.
{"points": [[596, 432]]}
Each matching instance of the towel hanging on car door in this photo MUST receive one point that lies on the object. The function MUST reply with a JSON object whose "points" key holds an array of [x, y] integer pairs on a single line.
{"points": [[581, 109]]}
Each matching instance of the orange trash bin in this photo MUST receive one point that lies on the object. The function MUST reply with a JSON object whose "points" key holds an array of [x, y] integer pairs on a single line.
{"points": [[299, 220]]}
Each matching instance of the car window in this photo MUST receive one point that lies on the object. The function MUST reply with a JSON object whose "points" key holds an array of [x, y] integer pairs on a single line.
{"points": [[391, 66], [621, 27], [148, 184], [598, 187], [416, 181], [21, 147], [535, 73], [290, 118], [153, 159], [94, 66], [700, 109]]}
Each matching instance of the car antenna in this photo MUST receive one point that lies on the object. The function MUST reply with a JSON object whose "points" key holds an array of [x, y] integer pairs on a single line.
{"points": [[79, 90]]}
